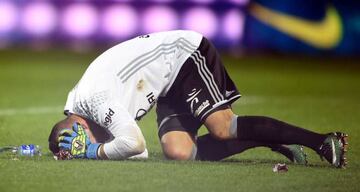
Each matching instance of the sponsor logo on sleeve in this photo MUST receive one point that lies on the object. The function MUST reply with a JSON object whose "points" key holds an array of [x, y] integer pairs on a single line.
{"points": [[108, 115]]}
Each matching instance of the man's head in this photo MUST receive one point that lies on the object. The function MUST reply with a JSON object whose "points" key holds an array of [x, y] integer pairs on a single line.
{"points": [[66, 123], [94, 132]]}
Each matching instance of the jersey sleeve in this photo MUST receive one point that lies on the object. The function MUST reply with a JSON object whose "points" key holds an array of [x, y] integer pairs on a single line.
{"points": [[111, 115], [128, 139]]}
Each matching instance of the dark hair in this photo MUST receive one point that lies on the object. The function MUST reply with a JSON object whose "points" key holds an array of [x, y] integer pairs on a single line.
{"points": [[55, 131]]}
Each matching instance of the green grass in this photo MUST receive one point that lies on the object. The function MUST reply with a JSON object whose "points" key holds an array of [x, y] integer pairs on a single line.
{"points": [[319, 94]]}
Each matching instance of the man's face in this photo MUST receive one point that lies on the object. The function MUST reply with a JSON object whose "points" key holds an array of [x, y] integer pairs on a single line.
{"points": [[96, 133], [90, 134]]}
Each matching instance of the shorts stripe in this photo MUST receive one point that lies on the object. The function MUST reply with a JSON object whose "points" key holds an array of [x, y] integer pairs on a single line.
{"points": [[210, 75], [203, 78], [207, 77]]}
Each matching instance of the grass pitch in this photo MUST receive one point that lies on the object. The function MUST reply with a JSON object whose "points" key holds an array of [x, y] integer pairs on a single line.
{"points": [[319, 94]]}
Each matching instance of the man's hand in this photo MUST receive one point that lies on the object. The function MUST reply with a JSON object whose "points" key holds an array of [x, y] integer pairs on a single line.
{"points": [[77, 142]]}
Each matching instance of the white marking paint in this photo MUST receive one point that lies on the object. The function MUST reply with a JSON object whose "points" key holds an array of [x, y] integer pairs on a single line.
{"points": [[249, 100], [31, 110]]}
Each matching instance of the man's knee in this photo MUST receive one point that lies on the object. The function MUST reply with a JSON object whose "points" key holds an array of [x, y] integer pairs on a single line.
{"points": [[177, 146], [219, 124], [177, 153]]}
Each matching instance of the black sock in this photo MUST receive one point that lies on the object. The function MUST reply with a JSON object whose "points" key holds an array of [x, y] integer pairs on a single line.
{"points": [[268, 130], [210, 149]]}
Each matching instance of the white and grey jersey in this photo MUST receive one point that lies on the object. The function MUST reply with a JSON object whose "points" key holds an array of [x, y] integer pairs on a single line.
{"points": [[124, 82]]}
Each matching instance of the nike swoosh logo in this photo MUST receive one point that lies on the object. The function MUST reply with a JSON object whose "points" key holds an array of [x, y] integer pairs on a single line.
{"points": [[324, 34]]}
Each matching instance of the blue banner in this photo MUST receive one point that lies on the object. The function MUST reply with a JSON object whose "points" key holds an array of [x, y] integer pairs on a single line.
{"points": [[321, 26]]}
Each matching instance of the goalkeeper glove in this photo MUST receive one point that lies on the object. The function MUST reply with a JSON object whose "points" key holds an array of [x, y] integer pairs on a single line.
{"points": [[77, 142]]}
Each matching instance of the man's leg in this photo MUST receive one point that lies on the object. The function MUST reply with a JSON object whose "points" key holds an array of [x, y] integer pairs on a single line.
{"points": [[178, 145], [223, 124], [177, 136], [211, 149]]}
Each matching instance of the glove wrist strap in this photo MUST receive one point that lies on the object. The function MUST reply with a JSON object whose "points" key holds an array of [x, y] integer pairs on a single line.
{"points": [[91, 152]]}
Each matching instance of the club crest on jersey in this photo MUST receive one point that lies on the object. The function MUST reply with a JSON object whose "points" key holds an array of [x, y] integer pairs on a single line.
{"points": [[108, 116]]}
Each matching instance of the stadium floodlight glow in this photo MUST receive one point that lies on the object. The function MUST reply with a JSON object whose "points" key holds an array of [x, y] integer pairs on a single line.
{"points": [[122, 0], [202, 20], [203, 1], [159, 18], [233, 24], [119, 21], [163, 1], [80, 20], [8, 17], [240, 2], [39, 18]]}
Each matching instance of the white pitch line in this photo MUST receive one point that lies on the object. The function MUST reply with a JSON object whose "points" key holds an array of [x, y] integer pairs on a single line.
{"points": [[250, 100], [31, 110]]}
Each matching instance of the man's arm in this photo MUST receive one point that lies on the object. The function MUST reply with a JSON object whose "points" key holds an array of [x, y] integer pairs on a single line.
{"points": [[113, 118], [101, 153], [128, 142], [128, 138], [123, 146]]}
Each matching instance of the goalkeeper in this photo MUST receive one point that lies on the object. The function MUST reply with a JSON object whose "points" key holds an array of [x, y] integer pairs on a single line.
{"points": [[180, 72]]}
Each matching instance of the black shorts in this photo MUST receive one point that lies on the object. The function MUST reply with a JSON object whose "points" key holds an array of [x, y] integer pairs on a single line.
{"points": [[202, 87]]}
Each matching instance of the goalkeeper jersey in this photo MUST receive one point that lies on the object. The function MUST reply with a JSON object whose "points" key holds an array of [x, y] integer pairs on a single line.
{"points": [[123, 83]]}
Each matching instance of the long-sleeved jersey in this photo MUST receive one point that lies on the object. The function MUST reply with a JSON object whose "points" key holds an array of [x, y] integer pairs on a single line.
{"points": [[122, 84]]}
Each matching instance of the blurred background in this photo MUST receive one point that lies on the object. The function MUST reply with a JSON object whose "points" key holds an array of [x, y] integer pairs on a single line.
{"points": [[294, 60], [240, 26]]}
